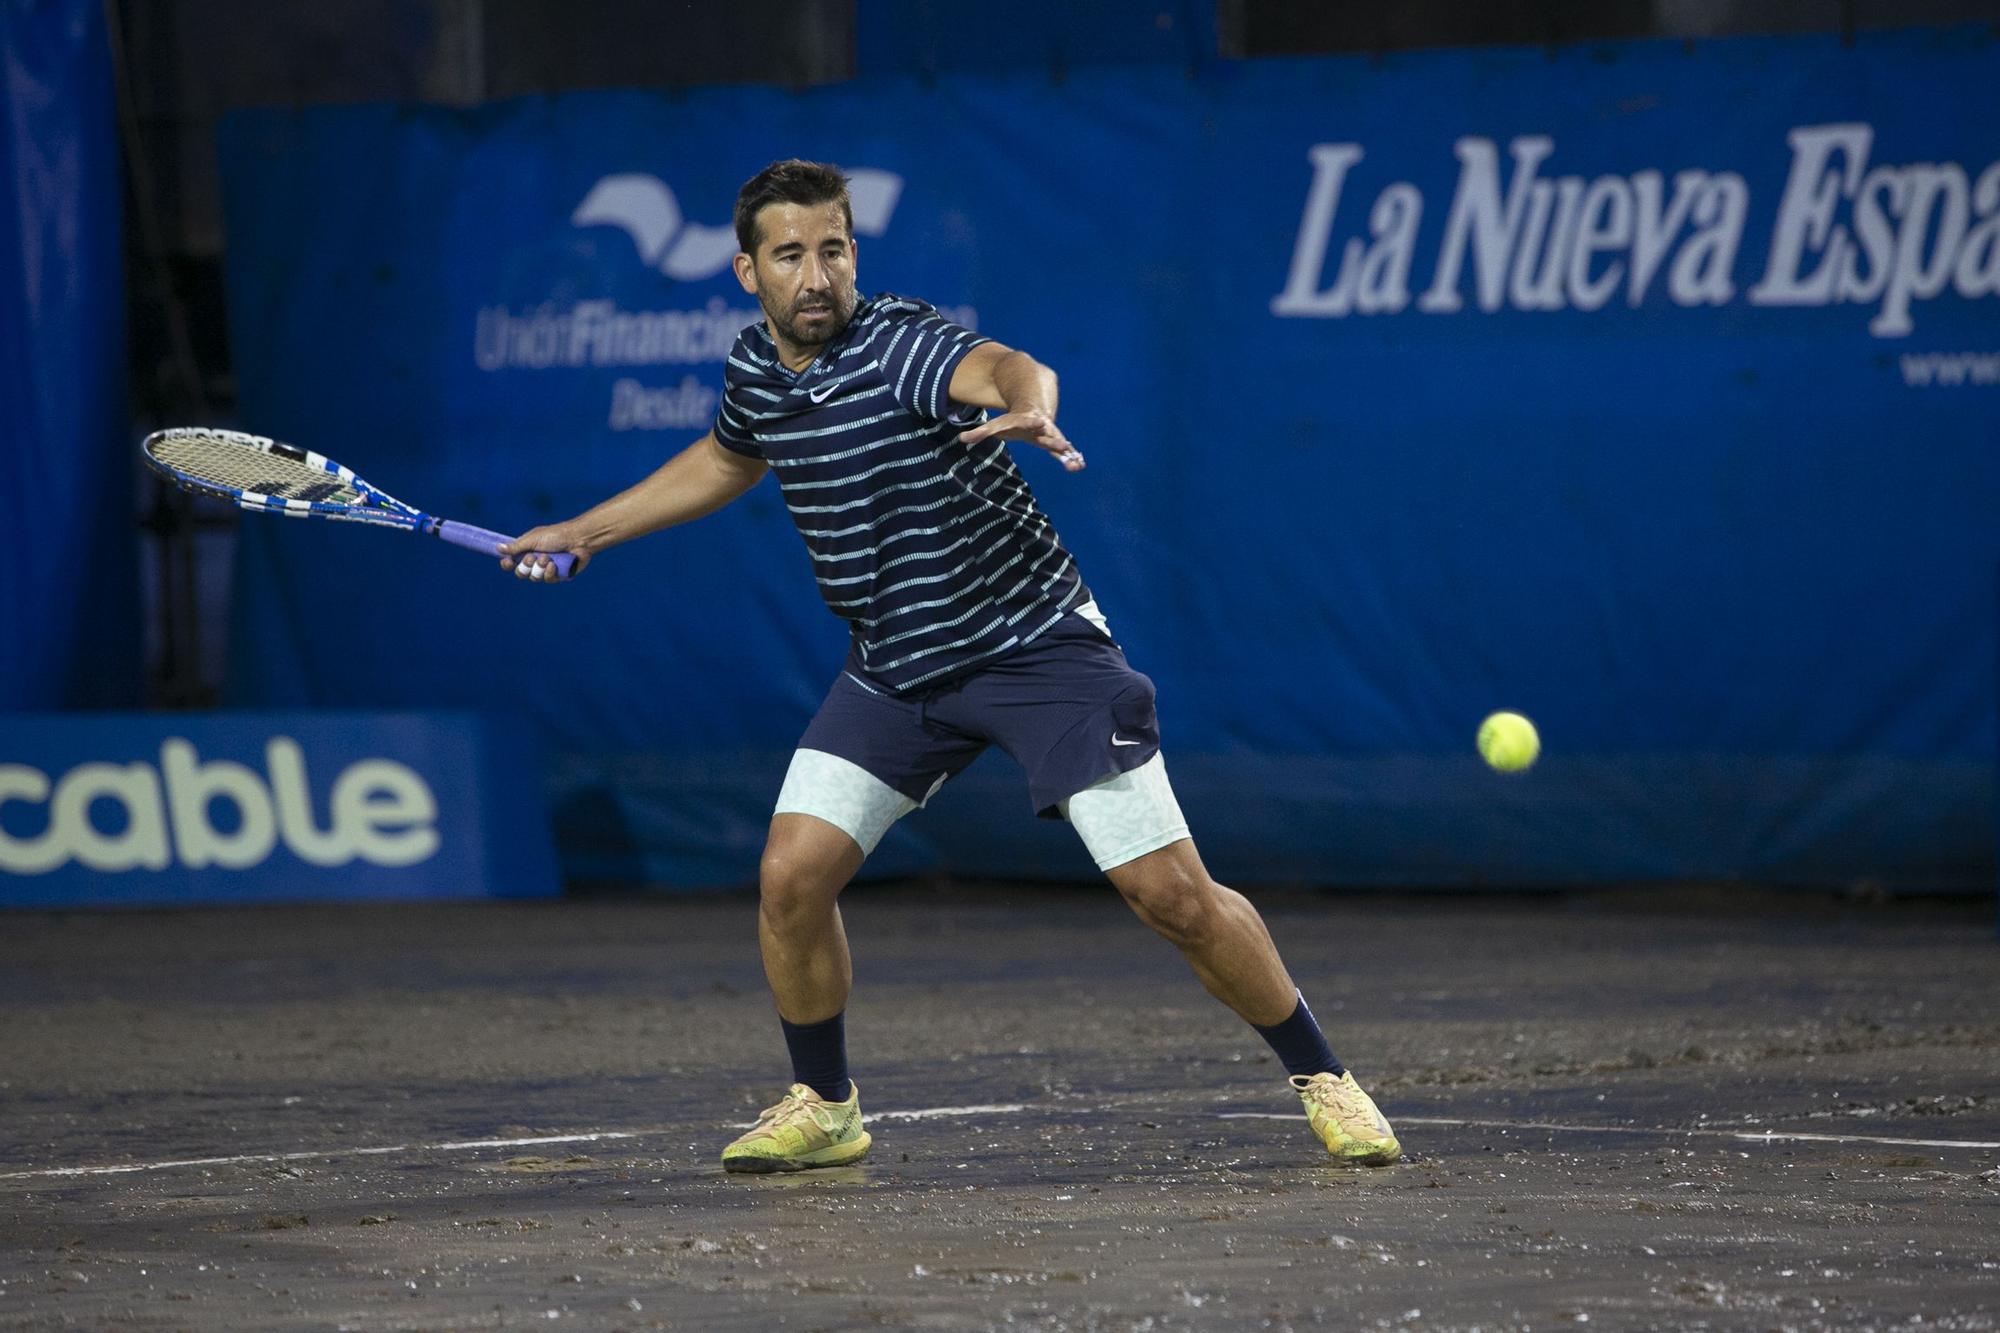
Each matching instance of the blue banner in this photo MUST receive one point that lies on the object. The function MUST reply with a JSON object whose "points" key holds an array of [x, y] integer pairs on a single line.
{"points": [[1647, 389], [69, 620], [238, 807]]}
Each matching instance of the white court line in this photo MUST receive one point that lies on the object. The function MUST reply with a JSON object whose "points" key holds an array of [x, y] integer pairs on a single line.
{"points": [[935, 1112], [928, 1113], [125, 1168], [388, 1150], [1740, 1135]]}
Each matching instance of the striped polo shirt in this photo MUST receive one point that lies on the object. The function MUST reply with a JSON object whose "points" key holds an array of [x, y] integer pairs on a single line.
{"points": [[931, 550]]}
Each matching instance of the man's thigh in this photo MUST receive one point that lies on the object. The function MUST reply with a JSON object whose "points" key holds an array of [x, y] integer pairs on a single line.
{"points": [[808, 855], [1127, 817], [868, 758], [1068, 708]]}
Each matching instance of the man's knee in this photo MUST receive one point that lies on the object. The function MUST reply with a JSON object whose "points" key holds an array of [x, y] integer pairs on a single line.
{"points": [[789, 885], [1179, 901], [803, 869]]}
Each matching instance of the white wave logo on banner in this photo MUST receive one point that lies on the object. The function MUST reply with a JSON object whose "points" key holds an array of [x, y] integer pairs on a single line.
{"points": [[597, 333], [645, 208], [1846, 231]]}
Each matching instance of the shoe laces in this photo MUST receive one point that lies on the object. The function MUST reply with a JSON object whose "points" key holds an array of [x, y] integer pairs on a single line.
{"points": [[798, 1103], [1342, 1097], [1331, 1092]]}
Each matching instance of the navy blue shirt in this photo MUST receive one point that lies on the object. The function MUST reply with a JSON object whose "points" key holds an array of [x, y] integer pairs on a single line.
{"points": [[932, 550]]}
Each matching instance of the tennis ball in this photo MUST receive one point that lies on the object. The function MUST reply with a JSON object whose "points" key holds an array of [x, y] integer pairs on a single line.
{"points": [[1508, 742]]}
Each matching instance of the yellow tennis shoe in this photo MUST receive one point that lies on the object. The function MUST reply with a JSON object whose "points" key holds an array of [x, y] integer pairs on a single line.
{"points": [[802, 1131], [1346, 1120]]}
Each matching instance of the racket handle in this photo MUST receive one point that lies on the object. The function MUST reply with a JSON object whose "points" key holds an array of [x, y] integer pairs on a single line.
{"points": [[489, 543]]}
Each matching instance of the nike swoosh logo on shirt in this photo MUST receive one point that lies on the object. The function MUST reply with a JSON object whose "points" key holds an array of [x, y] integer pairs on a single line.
{"points": [[1115, 740], [819, 395]]}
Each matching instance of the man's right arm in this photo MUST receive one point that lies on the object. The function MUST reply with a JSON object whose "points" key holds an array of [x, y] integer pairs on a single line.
{"points": [[697, 481]]}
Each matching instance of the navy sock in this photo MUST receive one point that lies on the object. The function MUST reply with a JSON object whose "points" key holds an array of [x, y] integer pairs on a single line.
{"points": [[1300, 1044], [819, 1055]]}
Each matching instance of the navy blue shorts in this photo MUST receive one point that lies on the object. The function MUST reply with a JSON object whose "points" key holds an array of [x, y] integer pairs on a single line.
{"points": [[1067, 707]]}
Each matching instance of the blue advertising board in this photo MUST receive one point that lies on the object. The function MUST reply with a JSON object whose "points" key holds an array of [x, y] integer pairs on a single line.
{"points": [[1649, 389], [127, 809]]}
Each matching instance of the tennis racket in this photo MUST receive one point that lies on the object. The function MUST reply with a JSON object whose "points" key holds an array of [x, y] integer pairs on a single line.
{"points": [[270, 477]]}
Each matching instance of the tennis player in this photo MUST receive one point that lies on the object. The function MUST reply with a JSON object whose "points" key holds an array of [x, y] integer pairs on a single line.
{"points": [[970, 626]]}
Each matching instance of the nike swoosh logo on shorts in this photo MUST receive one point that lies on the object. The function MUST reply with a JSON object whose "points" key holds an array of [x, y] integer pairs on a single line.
{"points": [[1116, 740], [819, 395]]}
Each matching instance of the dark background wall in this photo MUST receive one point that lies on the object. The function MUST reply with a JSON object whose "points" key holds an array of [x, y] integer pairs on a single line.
{"points": [[171, 71], [185, 63]]}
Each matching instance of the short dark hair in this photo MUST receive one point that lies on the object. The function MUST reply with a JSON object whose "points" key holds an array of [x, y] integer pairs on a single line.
{"points": [[792, 181]]}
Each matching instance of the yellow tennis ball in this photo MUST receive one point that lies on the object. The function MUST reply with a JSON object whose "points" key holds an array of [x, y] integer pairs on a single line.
{"points": [[1508, 742]]}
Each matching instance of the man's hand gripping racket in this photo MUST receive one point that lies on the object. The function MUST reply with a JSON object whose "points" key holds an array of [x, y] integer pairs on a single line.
{"points": [[538, 555], [266, 476]]}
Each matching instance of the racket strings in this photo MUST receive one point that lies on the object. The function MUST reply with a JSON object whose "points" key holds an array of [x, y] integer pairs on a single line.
{"points": [[235, 467]]}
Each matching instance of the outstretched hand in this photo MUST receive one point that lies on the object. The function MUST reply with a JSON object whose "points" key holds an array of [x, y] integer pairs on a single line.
{"points": [[1034, 427], [528, 554]]}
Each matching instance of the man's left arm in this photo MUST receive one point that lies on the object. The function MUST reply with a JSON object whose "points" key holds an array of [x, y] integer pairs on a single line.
{"points": [[1022, 390]]}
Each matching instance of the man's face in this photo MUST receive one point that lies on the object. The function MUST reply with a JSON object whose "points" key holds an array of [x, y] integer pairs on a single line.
{"points": [[803, 272]]}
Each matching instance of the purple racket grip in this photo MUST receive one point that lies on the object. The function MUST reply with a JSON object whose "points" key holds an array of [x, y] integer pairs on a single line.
{"points": [[489, 543]]}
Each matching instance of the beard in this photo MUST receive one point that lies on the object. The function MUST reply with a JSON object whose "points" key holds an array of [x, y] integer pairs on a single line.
{"points": [[798, 325]]}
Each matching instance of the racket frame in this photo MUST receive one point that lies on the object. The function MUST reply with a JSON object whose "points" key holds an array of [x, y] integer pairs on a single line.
{"points": [[375, 506]]}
